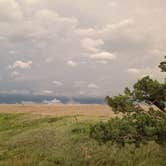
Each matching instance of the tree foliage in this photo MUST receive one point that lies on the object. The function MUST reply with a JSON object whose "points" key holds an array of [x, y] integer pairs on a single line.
{"points": [[162, 66], [144, 90], [137, 125], [137, 129], [150, 91]]}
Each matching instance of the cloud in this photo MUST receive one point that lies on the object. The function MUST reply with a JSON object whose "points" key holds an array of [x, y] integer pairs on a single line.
{"points": [[57, 83], [56, 35], [133, 71], [53, 101], [72, 63], [47, 92], [120, 25], [103, 56], [51, 16], [21, 65], [91, 44], [93, 86], [82, 93]]}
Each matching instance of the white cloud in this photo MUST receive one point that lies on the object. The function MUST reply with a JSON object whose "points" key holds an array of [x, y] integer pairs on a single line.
{"points": [[133, 71], [82, 93], [21, 65], [104, 31], [47, 92], [91, 44], [54, 101], [72, 63], [103, 56], [57, 83], [120, 27], [47, 16], [93, 86]]}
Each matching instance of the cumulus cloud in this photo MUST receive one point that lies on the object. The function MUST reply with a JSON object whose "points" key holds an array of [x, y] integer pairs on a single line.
{"points": [[133, 71], [71, 63], [103, 56], [47, 92], [21, 65], [116, 26], [91, 44], [57, 83], [50, 16], [93, 86], [56, 35], [53, 101]]}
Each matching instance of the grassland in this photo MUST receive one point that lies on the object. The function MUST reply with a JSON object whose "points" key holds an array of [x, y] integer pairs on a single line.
{"points": [[59, 109], [31, 139]]}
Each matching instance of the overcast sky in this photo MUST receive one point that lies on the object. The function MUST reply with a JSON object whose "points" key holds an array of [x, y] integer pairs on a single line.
{"points": [[79, 47]]}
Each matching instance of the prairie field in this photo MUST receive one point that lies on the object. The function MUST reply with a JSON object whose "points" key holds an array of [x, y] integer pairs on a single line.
{"points": [[59, 109], [48, 135]]}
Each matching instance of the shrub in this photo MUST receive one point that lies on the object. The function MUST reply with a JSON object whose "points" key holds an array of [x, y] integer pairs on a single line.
{"points": [[134, 129], [137, 125]]}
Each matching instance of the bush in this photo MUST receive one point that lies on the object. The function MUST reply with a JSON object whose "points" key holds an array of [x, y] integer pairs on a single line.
{"points": [[137, 125], [135, 129]]}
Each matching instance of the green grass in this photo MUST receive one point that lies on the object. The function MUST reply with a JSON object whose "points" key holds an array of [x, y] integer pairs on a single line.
{"points": [[30, 140]]}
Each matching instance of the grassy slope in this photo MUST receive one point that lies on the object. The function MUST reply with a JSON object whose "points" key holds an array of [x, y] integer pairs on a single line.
{"points": [[27, 139]]}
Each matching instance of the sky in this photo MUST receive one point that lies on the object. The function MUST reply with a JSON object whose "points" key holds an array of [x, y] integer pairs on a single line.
{"points": [[79, 47]]}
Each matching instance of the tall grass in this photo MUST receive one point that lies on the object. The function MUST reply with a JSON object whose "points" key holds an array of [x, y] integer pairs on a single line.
{"points": [[30, 140]]}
